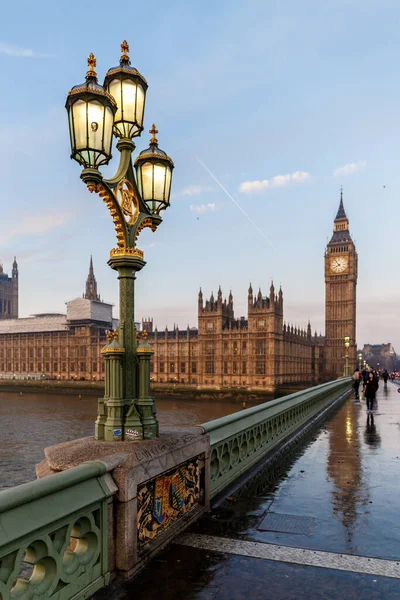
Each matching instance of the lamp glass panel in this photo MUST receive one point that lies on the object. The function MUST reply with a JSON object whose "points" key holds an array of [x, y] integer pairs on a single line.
{"points": [[95, 124], [79, 115], [71, 128], [168, 175], [115, 89], [129, 100], [140, 105], [147, 181], [108, 129], [159, 181]]}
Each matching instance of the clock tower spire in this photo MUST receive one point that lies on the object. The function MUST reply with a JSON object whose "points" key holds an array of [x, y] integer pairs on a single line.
{"points": [[340, 295]]}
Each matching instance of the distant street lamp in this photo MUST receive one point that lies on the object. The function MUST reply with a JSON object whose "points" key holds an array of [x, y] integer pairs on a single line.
{"points": [[95, 113], [347, 346], [360, 360]]}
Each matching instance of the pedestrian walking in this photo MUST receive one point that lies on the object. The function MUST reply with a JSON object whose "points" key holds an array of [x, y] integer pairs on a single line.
{"points": [[385, 377], [370, 389], [356, 384]]}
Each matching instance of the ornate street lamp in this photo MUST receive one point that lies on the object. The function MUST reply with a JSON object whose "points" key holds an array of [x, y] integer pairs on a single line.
{"points": [[347, 346], [360, 360], [95, 112], [91, 115]]}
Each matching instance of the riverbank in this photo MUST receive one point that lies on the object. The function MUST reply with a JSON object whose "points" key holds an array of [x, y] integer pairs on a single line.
{"points": [[96, 388]]}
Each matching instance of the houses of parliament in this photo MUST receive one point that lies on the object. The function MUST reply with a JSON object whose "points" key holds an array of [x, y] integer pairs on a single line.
{"points": [[258, 352]]}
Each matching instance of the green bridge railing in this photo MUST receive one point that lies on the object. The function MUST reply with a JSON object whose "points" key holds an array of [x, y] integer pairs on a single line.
{"points": [[53, 535], [57, 534], [240, 440]]}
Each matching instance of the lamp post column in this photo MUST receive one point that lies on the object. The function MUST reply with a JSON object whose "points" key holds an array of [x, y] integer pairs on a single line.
{"points": [[145, 402], [127, 263]]}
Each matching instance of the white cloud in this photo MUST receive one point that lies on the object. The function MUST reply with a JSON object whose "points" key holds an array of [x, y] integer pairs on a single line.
{"points": [[19, 51], [193, 190], [36, 225], [200, 209], [250, 187], [350, 168]]}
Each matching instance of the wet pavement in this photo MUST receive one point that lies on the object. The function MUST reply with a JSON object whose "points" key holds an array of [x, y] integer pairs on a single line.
{"points": [[340, 495]]}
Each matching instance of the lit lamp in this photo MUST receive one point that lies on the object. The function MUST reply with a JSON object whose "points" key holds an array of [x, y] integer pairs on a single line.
{"points": [[360, 359], [95, 113], [347, 346], [153, 174], [91, 112], [128, 87]]}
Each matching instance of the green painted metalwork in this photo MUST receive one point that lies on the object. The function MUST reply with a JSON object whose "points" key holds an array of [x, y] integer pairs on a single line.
{"points": [[134, 203], [54, 536], [240, 440]]}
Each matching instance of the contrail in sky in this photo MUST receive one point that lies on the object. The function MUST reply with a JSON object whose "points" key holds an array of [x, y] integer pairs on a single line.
{"points": [[234, 201]]}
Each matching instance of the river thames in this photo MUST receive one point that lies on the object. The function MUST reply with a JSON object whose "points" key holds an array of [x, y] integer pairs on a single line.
{"points": [[30, 422]]}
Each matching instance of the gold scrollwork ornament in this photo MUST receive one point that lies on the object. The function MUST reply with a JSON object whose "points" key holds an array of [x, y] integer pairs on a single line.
{"points": [[127, 201]]}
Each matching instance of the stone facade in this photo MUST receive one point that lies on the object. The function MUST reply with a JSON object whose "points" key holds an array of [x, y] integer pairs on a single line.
{"points": [[58, 346], [380, 356], [341, 266], [259, 352], [9, 293]]}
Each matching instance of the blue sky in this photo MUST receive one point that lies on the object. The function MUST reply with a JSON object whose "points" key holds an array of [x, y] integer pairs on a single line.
{"points": [[301, 96]]}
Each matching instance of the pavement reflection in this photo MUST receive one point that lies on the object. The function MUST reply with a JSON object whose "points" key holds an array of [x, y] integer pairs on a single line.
{"points": [[346, 479]]}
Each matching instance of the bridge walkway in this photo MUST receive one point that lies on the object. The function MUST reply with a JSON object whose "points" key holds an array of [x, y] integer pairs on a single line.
{"points": [[326, 527]]}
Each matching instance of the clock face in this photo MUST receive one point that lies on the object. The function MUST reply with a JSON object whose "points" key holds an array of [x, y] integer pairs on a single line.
{"points": [[339, 264]]}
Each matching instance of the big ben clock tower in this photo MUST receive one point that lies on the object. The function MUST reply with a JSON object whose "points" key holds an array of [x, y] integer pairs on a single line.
{"points": [[340, 296]]}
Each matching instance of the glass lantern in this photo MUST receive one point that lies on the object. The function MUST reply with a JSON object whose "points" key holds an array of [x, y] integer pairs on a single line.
{"points": [[128, 87], [154, 174], [91, 117]]}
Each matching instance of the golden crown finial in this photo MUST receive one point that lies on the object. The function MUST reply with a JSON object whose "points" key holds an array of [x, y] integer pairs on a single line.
{"points": [[125, 50], [91, 61], [153, 132], [115, 334], [145, 335]]}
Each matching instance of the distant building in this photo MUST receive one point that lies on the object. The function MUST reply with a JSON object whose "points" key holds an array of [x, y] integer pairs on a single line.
{"points": [[258, 352], [9, 293], [380, 356], [341, 272], [60, 346]]}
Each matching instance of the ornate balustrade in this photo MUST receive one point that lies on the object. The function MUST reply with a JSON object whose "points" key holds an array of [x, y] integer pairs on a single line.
{"points": [[240, 440], [54, 535]]}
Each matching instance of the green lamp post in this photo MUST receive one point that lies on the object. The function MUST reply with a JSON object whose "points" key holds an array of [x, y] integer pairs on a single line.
{"points": [[95, 113], [347, 346]]}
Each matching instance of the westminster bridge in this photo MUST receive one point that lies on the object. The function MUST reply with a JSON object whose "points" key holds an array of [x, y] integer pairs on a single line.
{"points": [[296, 498]]}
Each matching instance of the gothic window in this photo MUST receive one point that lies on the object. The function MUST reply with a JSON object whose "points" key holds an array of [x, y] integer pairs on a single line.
{"points": [[172, 367], [244, 347], [24, 367], [55, 366], [234, 368], [94, 367], [83, 366], [225, 368], [161, 367], [64, 367], [210, 325], [183, 367], [31, 369], [226, 348], [47, 369], [210, 366], [194, 367], [210, 348], [244, 368], [260, 367], [82, 351], [235, 348], [260, 347], [17, 367], [194, 350]]}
